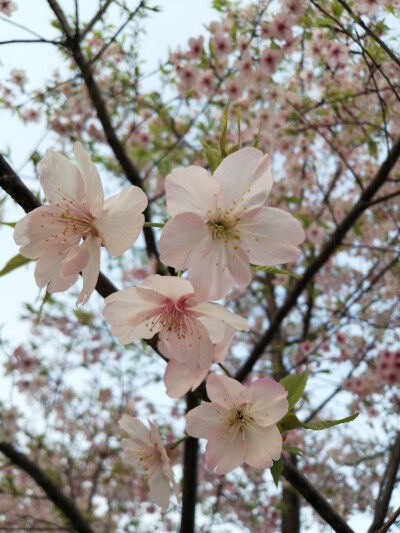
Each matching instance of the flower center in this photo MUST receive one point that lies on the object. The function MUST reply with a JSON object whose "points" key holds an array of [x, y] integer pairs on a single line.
{"points": [[239, 418], [223, 228], [173, 318]]}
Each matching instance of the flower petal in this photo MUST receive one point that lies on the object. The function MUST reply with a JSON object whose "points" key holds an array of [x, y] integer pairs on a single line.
{"points": [[224, 391], [218, 312], [75, 261], [226, 452], [268, 401], [60, 179], [263, 444], [48, 269], [245, 179], [178, 237], [122, 210], [178, 378], [269, 236], [191, 189], [206, 421], [159, 488], [91, 179], [90, 273]]}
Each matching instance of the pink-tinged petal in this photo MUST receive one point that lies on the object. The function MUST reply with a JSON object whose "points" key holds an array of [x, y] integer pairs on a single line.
{"points": [[136, 430], [207, 421], [159, 488], [171, 286], [39, 229], [215, 328], [225, 453], [90, 273], [225, 265], [269, 236], [268, 401], [121, 221], [224, 391], [48, 269], [218, 312], [91, 179], [179, 379], [184, 240], [191, 346], [263, 444], [75, 261], [222, 347], [60, 179], [245, 179], [191, 189]]}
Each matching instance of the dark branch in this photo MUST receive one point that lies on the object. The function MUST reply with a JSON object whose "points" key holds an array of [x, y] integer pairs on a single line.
{"points": [[314, 498], [328, 249], [386, 488], [62, 502]]}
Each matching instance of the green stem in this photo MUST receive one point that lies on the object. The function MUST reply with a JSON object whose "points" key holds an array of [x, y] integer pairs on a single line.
{"points": [[153, 225]]}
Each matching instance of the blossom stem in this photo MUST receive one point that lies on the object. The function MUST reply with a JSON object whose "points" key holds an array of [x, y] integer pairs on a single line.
{"points": [[153, 225], [177, 442], [225, 370]]}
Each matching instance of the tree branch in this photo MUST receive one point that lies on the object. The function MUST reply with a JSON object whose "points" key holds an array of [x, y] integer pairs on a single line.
{"points": [[314, 498], [316, 264], [60, 500], [386, 488]]}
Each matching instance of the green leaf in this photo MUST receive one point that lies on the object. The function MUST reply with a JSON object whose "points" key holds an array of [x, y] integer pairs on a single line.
{"points": [[324, 424], [336, 8], [276, 470], [222, 141], [293, 449], [15, 262], [274, 270], [10, 224], [255, 144], [213, 156], [295, 385], [288, 422]]}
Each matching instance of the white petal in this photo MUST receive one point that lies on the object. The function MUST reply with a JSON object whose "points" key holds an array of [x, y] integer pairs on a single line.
{"points": [[185, 239], [245, 178], [60, 179], [270, 235], [206, 421], [226, 453], [121, 221], [191, 189], [224, 391], [170, 286], [268, 401], [263, 444], [90, 273], [48, 269], [93, 187]]}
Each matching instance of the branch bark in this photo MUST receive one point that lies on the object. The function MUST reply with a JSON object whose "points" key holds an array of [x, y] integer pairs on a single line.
{"points": [[314, 498], [60, 500], [328, 249]]}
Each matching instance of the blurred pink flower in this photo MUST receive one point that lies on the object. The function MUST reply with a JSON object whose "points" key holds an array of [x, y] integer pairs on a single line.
{"points": [[219, 224], [144, 450], [239, 423], [66, 235], [190, 331]]}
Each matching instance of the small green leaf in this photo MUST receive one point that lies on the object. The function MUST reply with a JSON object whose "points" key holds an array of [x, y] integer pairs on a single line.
{"points": [[222, 141], [288, 422], [293, 449], [10, 224], [15, 262], [274, 270], [276, 470], [324, 424], [213, 156], [255, 144], [295, 385]]}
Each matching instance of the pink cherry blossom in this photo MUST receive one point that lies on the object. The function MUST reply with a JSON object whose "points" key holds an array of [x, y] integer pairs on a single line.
{"points": [[66, 235], [239, 423], [7, 7], [219, 224], [191, 331], [144, 450]]}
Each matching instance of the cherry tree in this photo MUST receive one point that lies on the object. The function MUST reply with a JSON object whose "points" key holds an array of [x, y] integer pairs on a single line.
{"points": [[229, 358]]}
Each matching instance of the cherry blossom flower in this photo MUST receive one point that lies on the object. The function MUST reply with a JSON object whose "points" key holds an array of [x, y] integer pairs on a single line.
{"points": [[66, 235], [190, 331], [219, 224], [144, 450], [7, 7], [239, 423]]}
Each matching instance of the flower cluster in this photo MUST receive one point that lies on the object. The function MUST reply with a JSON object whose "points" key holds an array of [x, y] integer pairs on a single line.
{"points": [[219, 225]]}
